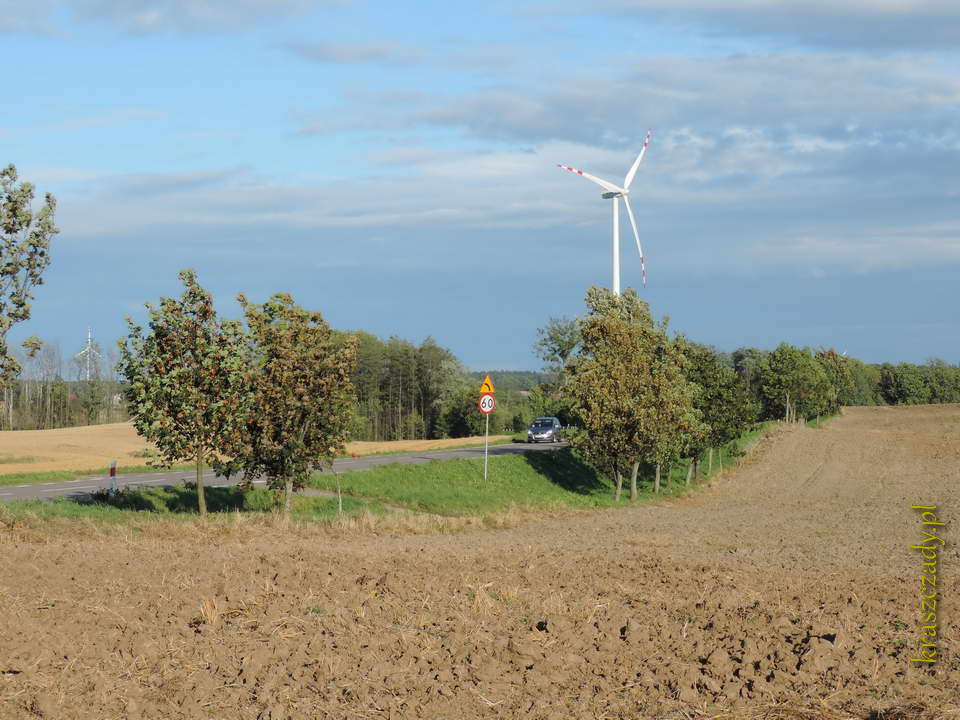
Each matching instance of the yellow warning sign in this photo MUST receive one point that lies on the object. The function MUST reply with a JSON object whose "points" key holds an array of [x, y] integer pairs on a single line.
{"points": [[487, 386]]}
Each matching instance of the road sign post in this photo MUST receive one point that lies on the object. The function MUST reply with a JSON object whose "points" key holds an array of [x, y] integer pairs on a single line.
{"points": [[486, 404]]}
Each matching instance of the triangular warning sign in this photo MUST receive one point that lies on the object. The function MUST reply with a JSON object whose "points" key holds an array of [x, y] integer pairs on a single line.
{"points": [[487, 386]]}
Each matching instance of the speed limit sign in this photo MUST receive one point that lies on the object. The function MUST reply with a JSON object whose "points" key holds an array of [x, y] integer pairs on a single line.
{"points": [[487, 403]]}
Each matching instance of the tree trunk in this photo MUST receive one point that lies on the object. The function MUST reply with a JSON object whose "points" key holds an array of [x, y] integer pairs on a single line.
{"points": [[696, 468], [619, 480], [633, 480], [201, 499], [287, 495], [339, 495], [656, 480], [690, 471], [710, 462], [666, 478], [720, 458]]}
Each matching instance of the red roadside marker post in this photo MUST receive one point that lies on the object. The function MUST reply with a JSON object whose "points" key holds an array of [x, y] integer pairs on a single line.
{"points": [[486, 404], [113, 477]]}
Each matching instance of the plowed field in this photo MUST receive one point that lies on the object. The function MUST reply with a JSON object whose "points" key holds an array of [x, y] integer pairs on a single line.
{"points": [[788, 584]]}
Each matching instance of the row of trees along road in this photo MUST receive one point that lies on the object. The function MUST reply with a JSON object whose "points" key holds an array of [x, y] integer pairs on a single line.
{"points": [[270, 399], [644, 398]]}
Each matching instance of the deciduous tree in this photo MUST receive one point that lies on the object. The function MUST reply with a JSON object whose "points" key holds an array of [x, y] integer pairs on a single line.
{"points": [[299, 398], [726, 406], [628, 386], [184, 378], [25, 237]]}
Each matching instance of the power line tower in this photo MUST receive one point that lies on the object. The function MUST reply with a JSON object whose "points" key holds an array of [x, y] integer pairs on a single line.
{"points": [[89, 354]]}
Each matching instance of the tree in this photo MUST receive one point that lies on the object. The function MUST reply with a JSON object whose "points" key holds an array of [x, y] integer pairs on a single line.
{"points": [[904, 384], [299, 398], [726, 405], [25, 237], [839, 373], [628, 387], [792, 381], [184, 380], [556, 343]]}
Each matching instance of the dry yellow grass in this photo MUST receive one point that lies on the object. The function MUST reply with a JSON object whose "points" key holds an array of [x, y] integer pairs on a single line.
{"points": [[89, 447]]}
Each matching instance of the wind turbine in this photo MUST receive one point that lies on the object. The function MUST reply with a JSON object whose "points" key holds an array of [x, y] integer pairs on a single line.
{"points": [[614, 192], [89, 353]]}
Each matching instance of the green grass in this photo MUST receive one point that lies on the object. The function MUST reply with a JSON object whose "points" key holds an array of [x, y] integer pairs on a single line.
{"points": [[457, 487], [530, 480], [181, 501], [534, 480], [32, 478]]}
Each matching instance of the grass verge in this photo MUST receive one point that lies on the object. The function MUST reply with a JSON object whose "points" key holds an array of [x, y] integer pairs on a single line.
{"points": [[33, 478], [450, 495], [181, 501], [528, 481]]}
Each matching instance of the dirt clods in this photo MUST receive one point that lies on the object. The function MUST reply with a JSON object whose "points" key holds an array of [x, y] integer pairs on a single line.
{"points": [[786, 592]]}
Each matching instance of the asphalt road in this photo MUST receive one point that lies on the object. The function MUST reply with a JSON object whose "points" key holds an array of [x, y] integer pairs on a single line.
{"points": [[85, 485]]}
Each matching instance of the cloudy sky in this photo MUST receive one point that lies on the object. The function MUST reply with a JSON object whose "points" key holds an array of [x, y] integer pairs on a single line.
{"points": [[393, 165]]}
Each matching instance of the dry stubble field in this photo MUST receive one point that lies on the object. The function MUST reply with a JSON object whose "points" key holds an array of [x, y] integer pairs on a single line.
{"points": [[788, 584], [93, 446]]}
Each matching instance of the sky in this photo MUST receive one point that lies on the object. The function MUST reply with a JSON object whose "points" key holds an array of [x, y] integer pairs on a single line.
{"points": [[393, 165]]}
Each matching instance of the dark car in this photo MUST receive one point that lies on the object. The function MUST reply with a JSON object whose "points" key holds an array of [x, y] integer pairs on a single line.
{"points": [[544, 429]]}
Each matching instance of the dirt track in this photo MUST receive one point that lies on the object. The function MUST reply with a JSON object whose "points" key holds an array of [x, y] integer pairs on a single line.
{"points": [[789, 580]]}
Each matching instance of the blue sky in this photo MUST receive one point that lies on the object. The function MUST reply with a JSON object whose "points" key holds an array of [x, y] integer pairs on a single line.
{"points": [[393, 164]]}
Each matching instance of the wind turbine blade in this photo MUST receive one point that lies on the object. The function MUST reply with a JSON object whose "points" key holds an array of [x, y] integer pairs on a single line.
{"points": [[602, 183], [636, 163], [636, 236]]}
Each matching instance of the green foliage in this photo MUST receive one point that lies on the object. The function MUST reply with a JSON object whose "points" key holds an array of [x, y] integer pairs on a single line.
{"points": [[903, 384], [628, 386], [747, 363], [25, 237], [556, 344], [794, 384], [511, 380], [866, 384], [726, 406], [184, 385], [463, 418], [297, 403], [404, 392]]}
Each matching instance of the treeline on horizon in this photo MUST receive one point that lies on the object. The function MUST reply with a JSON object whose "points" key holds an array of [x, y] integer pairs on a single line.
{"points": [[407, 391]]}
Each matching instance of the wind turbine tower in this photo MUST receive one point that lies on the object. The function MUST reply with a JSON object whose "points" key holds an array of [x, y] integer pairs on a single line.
{"points": [[615, 192], [89, 354]]}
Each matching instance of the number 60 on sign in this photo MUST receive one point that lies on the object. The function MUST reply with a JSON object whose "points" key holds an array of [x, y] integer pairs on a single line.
{"points": [[487, 403]]}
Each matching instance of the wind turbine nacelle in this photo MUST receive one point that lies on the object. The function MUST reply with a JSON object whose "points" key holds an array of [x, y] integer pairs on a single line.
{"points": [[611, 195]]}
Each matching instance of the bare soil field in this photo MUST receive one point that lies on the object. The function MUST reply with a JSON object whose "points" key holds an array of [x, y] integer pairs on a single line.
{"points": [[785, 590], [94, 446]]}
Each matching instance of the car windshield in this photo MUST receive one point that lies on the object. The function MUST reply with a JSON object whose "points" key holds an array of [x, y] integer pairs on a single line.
{"points": [[542, 423]]}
